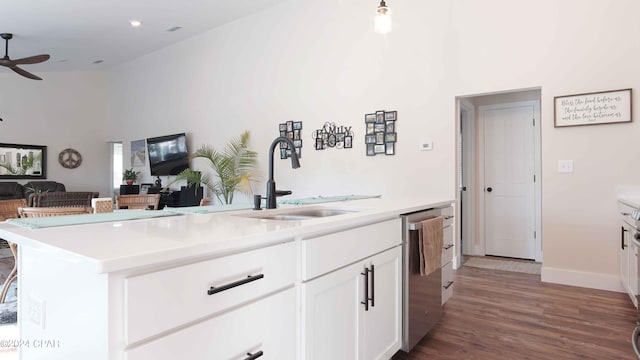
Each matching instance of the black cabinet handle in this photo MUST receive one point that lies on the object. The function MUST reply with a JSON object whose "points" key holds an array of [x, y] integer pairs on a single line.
{"points": [[448, 285], [622, 237], [489, 189], [214, 290], [448, 247], [447, 217], [366, 289], [251, 356], [373, 293]]}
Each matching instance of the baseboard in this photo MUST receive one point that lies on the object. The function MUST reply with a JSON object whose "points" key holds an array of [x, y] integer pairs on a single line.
{"points": [[581, 279]]}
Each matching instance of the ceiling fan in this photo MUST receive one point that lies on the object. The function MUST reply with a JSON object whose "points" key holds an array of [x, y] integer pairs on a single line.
{"points": [[13, 64]]}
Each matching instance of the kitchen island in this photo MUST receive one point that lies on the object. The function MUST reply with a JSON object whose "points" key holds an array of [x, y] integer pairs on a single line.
{"points": [[217, 285]]}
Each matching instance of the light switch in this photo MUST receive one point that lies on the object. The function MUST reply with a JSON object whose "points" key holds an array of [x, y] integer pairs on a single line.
{"points": [[565, 166]]}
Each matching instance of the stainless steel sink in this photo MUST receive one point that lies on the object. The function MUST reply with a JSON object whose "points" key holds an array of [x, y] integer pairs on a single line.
{"points": [[283, 217], [298, 214]]}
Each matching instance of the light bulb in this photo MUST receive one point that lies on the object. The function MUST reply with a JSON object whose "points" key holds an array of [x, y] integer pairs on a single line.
{"points": [[383, 19]]}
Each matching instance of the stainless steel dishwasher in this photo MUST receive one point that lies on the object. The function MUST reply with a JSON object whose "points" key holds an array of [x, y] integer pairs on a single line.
{"points": [[422, 295]]}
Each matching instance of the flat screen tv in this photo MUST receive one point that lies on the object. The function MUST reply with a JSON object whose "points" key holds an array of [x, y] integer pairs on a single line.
{"points": [[168, 155]]}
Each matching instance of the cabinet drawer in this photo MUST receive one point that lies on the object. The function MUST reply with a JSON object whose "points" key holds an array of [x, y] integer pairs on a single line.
{"points": [[162, 300], [447, 211], [326, 253], [267, 325], [447, 244], [447, 282]]}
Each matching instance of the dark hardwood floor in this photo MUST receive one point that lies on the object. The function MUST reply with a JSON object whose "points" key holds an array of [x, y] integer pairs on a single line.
{"points": [[508, 315]]}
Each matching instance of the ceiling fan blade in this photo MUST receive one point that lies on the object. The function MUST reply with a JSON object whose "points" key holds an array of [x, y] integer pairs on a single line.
{"points": [[24, 73], [31, 59], [6, 62]]}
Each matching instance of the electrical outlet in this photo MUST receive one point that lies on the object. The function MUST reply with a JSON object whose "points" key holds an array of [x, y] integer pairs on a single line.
{"points": [[426, 146], [36, 311]]}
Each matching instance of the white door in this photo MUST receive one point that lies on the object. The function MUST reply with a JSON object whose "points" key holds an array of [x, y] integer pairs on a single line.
{"points": [[509, 206], [382, 321]]}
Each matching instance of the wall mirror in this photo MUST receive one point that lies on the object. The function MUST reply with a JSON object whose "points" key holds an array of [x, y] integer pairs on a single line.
{"points": [[23, 161]]}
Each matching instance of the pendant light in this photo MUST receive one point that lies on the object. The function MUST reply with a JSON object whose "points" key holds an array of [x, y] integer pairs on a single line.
{"points": [[383, 18]]}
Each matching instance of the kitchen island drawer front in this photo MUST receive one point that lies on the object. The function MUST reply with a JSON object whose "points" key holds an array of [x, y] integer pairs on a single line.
{"points": [[267, 325], [447, 282], [447, 211], [447, 244], [326, 253], [162, 300]]}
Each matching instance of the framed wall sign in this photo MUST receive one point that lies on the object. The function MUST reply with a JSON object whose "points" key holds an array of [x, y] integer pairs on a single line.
{"points": [[23, 161], [603, 107]]}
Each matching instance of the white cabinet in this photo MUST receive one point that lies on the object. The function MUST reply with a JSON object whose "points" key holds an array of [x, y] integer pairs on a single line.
{"points": [[633, 272], [448, 246], [266, 327], [224, 308], [162, 300], [354, 312], [628, 254]]}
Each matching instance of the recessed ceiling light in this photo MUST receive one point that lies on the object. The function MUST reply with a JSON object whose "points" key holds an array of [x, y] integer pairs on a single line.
{"points": [[135, 23], [98, 61], [175, 28]]}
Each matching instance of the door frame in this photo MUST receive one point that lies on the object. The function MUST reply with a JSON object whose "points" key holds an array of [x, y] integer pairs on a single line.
{"points": [[467, 208], [537, 196]]}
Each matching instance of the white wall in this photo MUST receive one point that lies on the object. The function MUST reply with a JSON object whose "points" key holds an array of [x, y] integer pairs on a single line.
{"points": [[305, 61], [66, 109]]}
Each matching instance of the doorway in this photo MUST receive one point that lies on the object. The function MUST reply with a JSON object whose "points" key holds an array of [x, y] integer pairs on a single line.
{"points": [[499, 174]]}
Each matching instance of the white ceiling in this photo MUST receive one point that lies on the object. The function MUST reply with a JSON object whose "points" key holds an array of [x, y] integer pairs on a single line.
{"points": [[78, 32]]}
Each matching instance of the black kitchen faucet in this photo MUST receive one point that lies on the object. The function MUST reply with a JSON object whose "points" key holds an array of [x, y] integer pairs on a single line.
{"points": [[272, 193]]}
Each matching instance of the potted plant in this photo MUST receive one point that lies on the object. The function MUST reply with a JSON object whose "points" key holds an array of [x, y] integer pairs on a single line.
{"points": [[130, 176], [234, 168]]}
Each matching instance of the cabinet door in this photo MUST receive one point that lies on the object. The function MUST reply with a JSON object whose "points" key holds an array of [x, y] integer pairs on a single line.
{"points": [[383, 320], [633, 271], [332, 314], [623, 249]]}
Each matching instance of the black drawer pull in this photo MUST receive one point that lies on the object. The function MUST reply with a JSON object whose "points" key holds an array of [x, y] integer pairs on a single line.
{"points": [[251, 356], [214, 290], [447, 217], [373, 291], [448, 285], [366, 289], [448, 247]]}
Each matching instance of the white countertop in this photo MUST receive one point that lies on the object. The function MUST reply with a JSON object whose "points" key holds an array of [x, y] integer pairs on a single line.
{"points": [[629, 195], [115, 246]]}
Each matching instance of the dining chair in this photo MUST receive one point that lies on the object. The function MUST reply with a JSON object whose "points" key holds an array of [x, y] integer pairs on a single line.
{"points": [[206, 201], [138, 202], [102, 205], [9, 210], [32, 212]]}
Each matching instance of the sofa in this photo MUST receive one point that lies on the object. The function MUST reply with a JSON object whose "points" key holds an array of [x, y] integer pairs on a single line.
{"points": [[41, 187], [11, 190], [45, 194]]}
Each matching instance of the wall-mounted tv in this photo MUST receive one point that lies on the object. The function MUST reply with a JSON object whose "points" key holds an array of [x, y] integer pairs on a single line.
{"points": [[168, 155]]}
